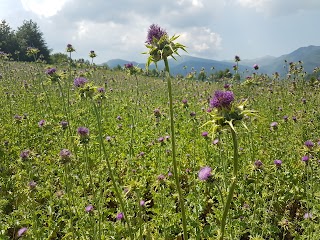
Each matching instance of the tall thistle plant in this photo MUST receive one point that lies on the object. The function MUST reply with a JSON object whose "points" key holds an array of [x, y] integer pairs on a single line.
{"points": [[161, 47], [226, 114]]}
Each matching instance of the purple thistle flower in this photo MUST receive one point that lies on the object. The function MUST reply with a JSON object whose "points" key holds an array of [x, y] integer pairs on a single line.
{"points": [[89, 208], [18, 118], [170, 174], [64, 124], [101, 90], [161, 177], [204, 134], [25, 154], [51, 71], [274, 125], [65, 155], [215, 142], [22, 231], [192, 114], [309, 144], [80, 81], [141, 154], [258, 164], [256, 66], [305, 159], [204, 173], [157, 113], [294, 118], [119, 216], [70, 48], [160, 139], [237, 59], [155, 33], [185, 101], [307, 215], [277, 162], [226, 86], [83, 132], [142, 203], [222, 99], [285, 118], [41, 123], [108, 138], [32, 184], [128, 65]]}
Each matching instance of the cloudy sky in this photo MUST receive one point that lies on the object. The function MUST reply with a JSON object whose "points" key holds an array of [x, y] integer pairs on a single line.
{"points": [[215, 29]]}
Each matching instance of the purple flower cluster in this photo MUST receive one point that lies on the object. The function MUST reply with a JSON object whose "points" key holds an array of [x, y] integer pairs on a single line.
{"points": [[83, 131], [277, 162], [51, 71], [120, 216], [128, 65], [22, 231], [222, 99], [80, 81], [89, 208], [25, 154], [204, 173], [256, 66], [155, 32]]}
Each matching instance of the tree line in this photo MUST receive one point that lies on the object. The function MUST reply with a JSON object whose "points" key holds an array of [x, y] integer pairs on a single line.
{"points": [[24, 43]]}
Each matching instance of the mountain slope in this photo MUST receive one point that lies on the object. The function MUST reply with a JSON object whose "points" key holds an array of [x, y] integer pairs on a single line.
{"points": [[310, 56]]}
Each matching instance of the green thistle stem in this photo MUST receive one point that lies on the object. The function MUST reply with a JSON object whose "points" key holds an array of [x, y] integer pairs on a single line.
{"points": [[174, 161], [114, 183], [233, 184]]}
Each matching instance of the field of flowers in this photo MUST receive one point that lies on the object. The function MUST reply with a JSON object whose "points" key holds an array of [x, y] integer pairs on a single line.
{"points": [[86, 153], [89, 153]]}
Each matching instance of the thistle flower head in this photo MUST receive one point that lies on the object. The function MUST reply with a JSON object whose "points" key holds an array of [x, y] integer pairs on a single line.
{"points": [[155, 33], [222, 99], [120, 216], [160, 45], [92, 54], [89, 208], [131, 70], [225, 112], [204, 173], [22, 231], [309, 144], [277, 162], [51, 71], [256, 66], [80, 81], [237, 59], [70, 48]]}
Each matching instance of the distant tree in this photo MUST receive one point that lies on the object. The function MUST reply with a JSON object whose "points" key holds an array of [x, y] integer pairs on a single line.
{"points": [[117, 68], [8, 43], [58, 58], [29, 35]]}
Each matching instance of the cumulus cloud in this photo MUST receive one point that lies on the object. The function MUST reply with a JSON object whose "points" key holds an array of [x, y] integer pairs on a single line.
{"points": [[43, 8], [201, 41], [283, 7]]}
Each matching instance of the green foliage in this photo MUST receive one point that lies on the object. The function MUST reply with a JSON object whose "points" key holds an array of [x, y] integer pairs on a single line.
{"points": [[58, 58]]}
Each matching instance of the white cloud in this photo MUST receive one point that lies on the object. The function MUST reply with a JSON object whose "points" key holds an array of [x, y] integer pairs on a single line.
{"points": [[201, 41], [280, 7], [43, 8]]}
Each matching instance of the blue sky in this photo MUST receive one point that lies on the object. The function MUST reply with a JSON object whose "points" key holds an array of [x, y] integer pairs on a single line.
{"points": [[215, 29]]}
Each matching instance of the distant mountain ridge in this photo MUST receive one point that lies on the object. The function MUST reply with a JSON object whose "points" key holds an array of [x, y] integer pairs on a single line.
{"points": [[310, 56]]}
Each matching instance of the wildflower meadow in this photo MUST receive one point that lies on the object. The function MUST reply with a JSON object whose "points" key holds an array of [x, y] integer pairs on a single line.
{"points": [[92, 153]]}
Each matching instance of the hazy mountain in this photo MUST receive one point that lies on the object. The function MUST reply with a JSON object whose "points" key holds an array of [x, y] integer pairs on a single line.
{"points": [[310, 56]]}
